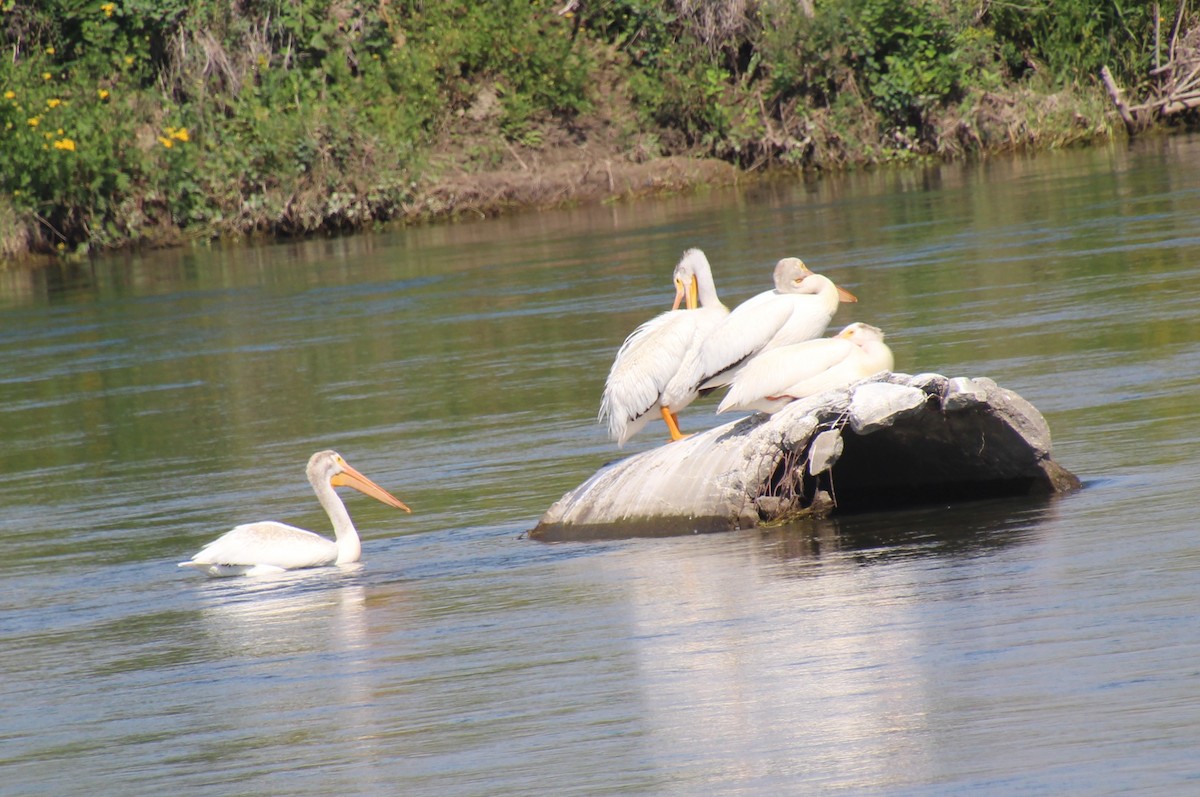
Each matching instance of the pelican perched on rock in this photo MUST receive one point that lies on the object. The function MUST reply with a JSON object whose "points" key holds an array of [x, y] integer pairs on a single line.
{"points": [[270, 547], [776, 377], [798, 309], [652, 354]]}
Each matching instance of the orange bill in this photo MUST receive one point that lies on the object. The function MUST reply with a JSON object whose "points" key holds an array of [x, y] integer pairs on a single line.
{"points": [[680, 291], [846, 296], [349, 477]]}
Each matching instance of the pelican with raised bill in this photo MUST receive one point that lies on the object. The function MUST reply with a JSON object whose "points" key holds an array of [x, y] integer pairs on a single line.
{"points": [[798, 309], [270, 547], [777, 377], [654, 352]]}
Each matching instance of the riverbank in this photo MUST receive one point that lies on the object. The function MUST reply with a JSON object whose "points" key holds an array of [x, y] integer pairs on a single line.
{"points": [[593, 168], [526, 179], [205, 122]]}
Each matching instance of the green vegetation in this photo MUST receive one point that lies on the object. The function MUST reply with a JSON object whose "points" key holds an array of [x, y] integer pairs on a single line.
{"points": [[158, 121]]}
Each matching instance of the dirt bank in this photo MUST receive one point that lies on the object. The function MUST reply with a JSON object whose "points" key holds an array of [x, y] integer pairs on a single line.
{"points": [[574, 177]]}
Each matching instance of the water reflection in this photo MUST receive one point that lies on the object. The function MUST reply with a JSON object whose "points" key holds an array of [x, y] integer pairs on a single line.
{"points": [[283, 613], [772, 678], [252, 630], [152, 401], [785, 658]]}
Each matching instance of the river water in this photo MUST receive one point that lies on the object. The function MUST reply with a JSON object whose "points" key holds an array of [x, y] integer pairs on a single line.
{"points": [[149, 402]]}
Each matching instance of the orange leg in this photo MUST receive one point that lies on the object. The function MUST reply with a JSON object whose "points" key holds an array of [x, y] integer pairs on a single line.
{"points": [[672, 424]]}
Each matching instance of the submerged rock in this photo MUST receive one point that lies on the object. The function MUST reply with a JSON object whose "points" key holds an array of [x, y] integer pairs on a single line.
{"points": [[885, 442]]}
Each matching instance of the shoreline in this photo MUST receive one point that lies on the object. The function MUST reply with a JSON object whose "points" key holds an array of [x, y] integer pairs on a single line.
{"points": [[528, 185]]}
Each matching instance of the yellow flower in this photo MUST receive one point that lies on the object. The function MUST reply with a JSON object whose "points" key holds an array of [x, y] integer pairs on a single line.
{"points": [[180, 135], [53, 102], [60, 131], [10, 95], [108, 9], [103, 94], [129, 60], [66, 143], [34, 121], [49, 51], [47, 76], [166, 142]]}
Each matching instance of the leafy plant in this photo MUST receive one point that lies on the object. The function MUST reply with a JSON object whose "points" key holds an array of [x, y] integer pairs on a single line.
{"points": [[135, 117], [1071, 39]]}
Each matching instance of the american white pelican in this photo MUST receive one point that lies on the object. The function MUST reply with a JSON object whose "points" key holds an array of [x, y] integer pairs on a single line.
{"points": [[652, 354], [798, 309], [270, 547], [776, 377]]}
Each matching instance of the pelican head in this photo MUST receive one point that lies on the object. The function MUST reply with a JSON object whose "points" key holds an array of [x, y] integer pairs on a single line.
{"points": [[858, 332], [687, 278], [793, 276], [329, 468], [790, 273]]}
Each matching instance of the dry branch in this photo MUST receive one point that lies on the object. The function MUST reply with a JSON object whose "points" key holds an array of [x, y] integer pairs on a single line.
{"points": [[1173, 84], [1115, 93]]}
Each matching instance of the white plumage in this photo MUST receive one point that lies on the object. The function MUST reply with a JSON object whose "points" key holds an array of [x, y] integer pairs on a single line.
{"points": [[268, 546], [651, 355], [779, 376], [798, 309]]}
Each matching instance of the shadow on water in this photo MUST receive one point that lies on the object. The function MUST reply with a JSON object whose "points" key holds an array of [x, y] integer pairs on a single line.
{"points": [[961, 530], [964, 529]]}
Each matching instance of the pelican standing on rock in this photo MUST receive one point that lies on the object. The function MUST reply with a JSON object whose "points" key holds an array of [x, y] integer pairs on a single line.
{"points": [[798, 309], [270, 547], [777, 377], [652, 354]]}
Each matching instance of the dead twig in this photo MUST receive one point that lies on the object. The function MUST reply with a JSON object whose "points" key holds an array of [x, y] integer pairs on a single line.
{"points": [[1175, 26], [1115, 93]]}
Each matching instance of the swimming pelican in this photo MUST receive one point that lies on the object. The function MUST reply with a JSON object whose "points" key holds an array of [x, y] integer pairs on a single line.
{"points": [[798, 309], [270, 547], [776, 377], [652, 354]]}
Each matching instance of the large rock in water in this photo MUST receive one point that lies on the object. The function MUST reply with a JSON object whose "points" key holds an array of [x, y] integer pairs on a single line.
{"points": [[885, 442]]}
